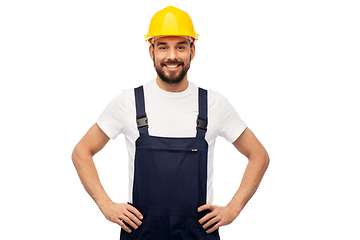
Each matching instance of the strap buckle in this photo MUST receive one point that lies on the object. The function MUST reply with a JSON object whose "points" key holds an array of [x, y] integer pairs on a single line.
{"points": [[142, 122], [202, 124]]}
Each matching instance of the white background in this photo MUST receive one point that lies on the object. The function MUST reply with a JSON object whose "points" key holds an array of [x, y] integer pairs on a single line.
{"points": [[290, 68]]}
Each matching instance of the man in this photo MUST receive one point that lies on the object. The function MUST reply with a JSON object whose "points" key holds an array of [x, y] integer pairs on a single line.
{"points": [[170, 127]]}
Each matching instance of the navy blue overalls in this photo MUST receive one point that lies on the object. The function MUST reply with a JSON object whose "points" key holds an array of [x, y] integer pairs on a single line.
{"points": [[170, 180]]}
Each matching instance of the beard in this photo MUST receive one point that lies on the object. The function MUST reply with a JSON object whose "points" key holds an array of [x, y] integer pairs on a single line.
{"points": [[172, 77]]}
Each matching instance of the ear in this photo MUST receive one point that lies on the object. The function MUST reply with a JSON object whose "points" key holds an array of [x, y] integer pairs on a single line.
{"points": [[192, 51], [151, 51]]}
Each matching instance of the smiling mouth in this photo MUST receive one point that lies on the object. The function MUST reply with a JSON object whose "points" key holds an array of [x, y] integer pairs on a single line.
{"points": [[172, 66]]}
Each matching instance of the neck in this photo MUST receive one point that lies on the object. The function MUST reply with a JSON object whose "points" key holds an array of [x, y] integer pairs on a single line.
{"points": [[176, 87]]}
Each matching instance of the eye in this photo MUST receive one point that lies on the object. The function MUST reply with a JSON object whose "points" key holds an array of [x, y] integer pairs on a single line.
{"points": [[162, 47]]}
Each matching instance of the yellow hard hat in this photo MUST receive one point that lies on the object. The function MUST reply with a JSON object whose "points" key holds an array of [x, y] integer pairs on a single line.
{"points": [[171, 21]]}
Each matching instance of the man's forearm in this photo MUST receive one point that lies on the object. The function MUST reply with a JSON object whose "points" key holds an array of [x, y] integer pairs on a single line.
{"points": [[221, 216], [89, 177], [120, 213], [253, 174]]}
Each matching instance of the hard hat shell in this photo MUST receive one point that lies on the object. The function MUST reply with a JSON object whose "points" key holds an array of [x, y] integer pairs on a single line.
{"points": [[171, 21]]}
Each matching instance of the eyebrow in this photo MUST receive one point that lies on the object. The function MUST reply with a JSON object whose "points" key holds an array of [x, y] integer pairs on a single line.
{"points": [[164, 43], [181, 43], [161, 43]]}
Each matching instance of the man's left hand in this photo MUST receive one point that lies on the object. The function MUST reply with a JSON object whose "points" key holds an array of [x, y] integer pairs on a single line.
{"points": [[219, 216]]}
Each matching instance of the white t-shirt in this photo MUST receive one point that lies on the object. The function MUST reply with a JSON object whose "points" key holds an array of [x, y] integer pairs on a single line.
{"points": [[171, 115]]}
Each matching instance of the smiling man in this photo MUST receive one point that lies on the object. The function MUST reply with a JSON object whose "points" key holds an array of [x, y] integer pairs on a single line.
{"points": [[170, 126], [172, 60]]}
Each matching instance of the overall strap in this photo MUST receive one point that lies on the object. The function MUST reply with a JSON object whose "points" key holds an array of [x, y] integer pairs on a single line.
{"points": [[141, 119], [202, 120]]}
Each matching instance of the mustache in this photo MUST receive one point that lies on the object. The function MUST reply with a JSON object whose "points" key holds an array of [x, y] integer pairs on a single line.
{"points": [[172, 62]]}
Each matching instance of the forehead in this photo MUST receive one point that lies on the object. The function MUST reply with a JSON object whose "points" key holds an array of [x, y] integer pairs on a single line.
{"points": [[171, 40]]}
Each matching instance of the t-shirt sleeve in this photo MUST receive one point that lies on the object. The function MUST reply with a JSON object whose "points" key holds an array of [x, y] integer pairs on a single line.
{"points": [[111, 121], [231, 126]]}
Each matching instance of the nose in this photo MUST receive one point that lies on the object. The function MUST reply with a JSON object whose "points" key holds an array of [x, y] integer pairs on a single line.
{"points": [[172, 54]]}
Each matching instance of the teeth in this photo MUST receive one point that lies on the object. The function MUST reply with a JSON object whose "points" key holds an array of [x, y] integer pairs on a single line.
{"points": [[171, 66]]}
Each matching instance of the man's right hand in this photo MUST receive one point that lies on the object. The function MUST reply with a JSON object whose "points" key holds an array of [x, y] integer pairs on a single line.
{"points": [[122, 212]]}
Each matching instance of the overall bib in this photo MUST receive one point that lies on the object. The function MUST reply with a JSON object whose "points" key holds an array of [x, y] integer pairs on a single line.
{"points": [[170, 180]]}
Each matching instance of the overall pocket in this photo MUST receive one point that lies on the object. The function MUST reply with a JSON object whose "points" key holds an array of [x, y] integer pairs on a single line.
{"points": [[168, 176]]}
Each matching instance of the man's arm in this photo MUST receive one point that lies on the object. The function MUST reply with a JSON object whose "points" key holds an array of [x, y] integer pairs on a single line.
{"points": [[93, 141], [248, 145]]}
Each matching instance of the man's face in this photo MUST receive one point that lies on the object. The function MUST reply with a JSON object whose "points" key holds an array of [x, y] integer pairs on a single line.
{"points": [[172, 57]]}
